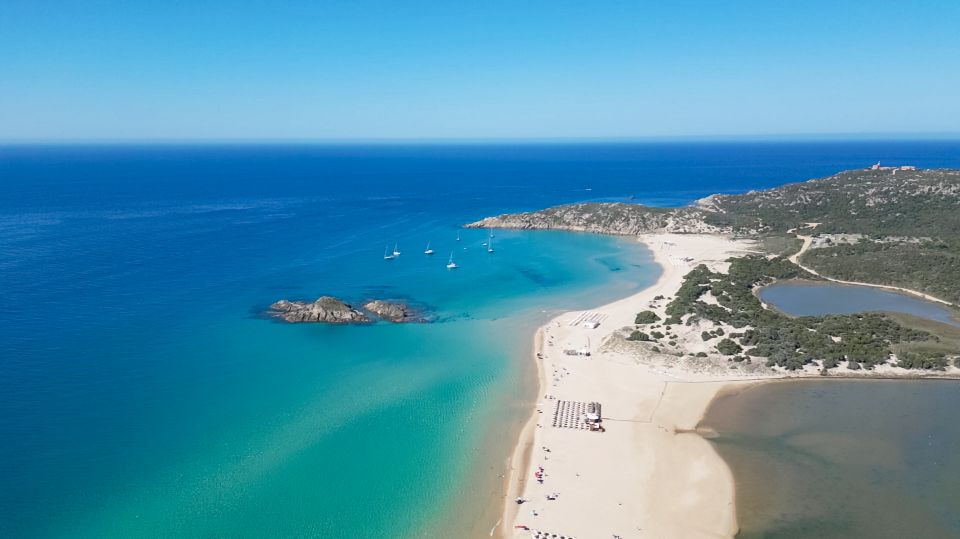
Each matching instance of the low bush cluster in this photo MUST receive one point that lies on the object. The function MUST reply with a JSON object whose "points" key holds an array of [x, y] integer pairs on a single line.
{"points": [[862, 339]]}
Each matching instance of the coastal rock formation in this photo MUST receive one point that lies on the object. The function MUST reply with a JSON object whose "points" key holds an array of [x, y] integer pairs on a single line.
{"points": [[897, 201], [391, 312], [331, 310], [326, 309], [607, 218]]}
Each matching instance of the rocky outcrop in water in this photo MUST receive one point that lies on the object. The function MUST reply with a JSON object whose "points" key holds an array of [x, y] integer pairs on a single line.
{"points": [[327, 309], [330, 310], [392, 312]]}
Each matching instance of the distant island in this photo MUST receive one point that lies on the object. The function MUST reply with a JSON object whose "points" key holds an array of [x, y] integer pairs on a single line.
{"points": [[704, 328]]}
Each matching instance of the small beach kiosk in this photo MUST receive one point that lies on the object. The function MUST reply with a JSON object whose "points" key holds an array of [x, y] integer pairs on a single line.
{"points": [[592, 416]]}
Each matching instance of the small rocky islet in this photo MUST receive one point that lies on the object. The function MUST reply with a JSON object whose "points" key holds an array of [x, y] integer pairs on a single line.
{"points": [[331, 310], [392, 311]]}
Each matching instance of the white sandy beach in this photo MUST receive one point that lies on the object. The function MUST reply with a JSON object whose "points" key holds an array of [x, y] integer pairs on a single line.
{"points": [[643, 477], [648, 474]]}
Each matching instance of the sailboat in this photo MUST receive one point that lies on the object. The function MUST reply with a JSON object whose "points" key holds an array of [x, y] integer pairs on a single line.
{"points": [[429, 251], [396, 252], [458, 235], [386, 254], [491, 233], [451, 264], [490, 245]]}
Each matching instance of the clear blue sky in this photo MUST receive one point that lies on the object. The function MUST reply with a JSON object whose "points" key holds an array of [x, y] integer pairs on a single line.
{"points": [[486, 69]]}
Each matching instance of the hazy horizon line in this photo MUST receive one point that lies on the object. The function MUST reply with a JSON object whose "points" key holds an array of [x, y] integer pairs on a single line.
{"points": [[240, 141]]}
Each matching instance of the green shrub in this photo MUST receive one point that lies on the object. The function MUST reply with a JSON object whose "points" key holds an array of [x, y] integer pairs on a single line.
{"points": [[646, 317], [918, 360], [638, 336], [728, 347]]}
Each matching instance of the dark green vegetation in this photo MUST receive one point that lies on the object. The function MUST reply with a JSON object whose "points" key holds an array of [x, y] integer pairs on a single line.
{"points": [[885, 202], [946, 345], [862, 339], [646, 317], [911, 219], [728, 348], [931, 267], [638, 336], [916, 360], [707, 335], [780, 244]]}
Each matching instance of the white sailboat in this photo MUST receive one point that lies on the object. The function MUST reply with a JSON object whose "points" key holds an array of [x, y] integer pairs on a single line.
{"points": [[386, 254], [490, 245], [458, 235], [429, 251], [491, 233], [396, 252], [451, 264]]}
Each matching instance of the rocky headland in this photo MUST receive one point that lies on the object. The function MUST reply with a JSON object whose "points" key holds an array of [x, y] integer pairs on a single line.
{"points": [[890, 226]]}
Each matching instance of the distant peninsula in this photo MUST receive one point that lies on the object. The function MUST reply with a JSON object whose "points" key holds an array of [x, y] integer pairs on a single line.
{"points": [[892, 226]]}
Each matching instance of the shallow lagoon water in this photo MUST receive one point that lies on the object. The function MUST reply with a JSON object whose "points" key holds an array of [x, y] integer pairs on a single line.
{"points": [[818, 299], [842, 459]]}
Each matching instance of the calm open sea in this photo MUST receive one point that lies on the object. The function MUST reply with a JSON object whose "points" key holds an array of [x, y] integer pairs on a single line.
{"points": [[143, 395]]}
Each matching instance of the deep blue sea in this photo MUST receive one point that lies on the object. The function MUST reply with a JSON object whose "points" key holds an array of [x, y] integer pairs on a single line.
{"points": [[143, 394]]}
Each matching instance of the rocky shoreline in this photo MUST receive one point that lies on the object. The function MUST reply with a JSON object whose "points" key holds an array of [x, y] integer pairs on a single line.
{"points": [[331, 310], [615, 218]]}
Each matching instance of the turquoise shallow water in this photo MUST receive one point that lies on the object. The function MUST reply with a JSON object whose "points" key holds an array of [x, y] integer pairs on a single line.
{"points": [[142, 394], [230, 424]]}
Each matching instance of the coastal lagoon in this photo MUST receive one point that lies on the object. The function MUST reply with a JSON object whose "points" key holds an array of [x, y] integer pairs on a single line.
{"points": [[145, 395], [818, 299], [842, 459]]}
